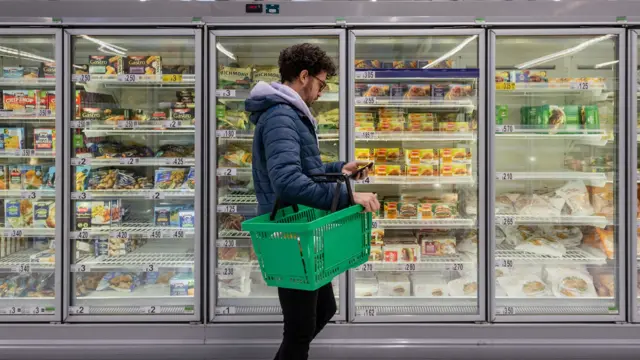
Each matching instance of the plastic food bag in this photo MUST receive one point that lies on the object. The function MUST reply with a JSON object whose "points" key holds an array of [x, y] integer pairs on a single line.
{"points": [[468, 242], [543, 245], [602, 200], [607, 241], [524, 286], [504, 203], [464, 286], [571, 283], [511, 234], [569, 236], [428, 285], [577, 198], [235, 284], [539, 205]]}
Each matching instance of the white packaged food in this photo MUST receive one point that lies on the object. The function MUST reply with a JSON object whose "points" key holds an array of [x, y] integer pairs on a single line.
{"points": [[572, 283], [539, 205], [543, 245], [468, 242], [577, 198], [470, 202], [505, 203], [236, 284], [549, 271], [512, 235], [569, 236], [500, 236], [428, 286], [500, 292], [394, 285], [524, 286], [464, 286], [367, 287]]}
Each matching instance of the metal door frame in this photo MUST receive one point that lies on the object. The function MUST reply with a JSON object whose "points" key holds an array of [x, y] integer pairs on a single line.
{"points": [[213, 190], [481, 184], [632, 175], [198, 238], [621, 199]]}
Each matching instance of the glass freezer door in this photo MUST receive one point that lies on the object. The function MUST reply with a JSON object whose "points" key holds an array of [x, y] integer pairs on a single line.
{"points": [[558, 169], [133, 175], [240, 60], [29, 85], [634, 143], [416, 113]]}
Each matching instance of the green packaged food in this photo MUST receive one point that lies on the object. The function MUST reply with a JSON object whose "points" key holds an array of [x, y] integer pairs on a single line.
{"points": [[501, 114], [556, 119], [571, 117], [589, 117]]}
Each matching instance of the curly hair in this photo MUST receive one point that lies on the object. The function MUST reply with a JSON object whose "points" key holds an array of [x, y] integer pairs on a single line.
{"points": [[305, 56]]}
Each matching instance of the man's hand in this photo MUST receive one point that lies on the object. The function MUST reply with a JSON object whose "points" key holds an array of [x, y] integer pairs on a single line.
{"points": [[351, 167], [368, 200]]}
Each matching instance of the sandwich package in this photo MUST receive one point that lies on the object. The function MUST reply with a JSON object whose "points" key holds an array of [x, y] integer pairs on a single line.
{"points": [[405, 253], [539, 205], [438, 245], [468, 242], [425, 285], [542, 244], [569, 236], [366, 286], [391, 284], [464, 286], [234, 77], [566, 282], [576, 198], [602, 200], [235, 284], [524, 285]]}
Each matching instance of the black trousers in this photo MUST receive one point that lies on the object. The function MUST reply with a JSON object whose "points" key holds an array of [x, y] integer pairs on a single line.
{"points": [[305, 314]]}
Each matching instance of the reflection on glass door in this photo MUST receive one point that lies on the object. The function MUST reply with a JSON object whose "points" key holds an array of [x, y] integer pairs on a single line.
{"points": [[415, 116], [28, 74], [557, 225], [133, 162], [241, 60]]}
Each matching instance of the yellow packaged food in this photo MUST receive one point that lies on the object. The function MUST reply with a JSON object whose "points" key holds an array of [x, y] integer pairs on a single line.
{"points": [[454, 126], [386, 154], [390, 209], [393, 124], [364, 126], [425, 210], [460, 169], [418, 91], [377, 236], [377, 90], [363, 154], [451, 155], [420, 125], [391, 112], [420, 116], [388, 170], [364, 116], [418, 156], [422, 170]]}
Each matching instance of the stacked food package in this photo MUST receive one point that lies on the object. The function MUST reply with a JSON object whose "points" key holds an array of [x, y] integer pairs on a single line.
{"points": [[392, 120]]}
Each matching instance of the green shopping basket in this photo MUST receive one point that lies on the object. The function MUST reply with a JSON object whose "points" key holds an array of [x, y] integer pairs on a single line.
{"points": [[303, 248]]}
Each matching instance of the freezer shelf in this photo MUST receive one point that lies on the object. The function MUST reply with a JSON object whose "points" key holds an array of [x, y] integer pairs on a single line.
{"points": [[140, 229], [402, 136], [509, 220], [384, 75], [376, 102], [247, 135], [426, 263], [133, 161], [224, 95], [27, 306], [28, 82], [28, 194], [27, 153], [26, 261], [412, 180], [507, 257], [425, 224], [135, 262], [134, 80], [151, 194], [597, 179], [507, 306], [372, 306]]}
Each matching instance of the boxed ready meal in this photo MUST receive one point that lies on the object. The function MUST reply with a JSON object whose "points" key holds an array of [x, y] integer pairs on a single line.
{"points": [[391, 124], [100, 65], [234, 78], [438, 245], [267, 74], [376, 254], [376, 90], [422, 170], [143, 65], [455, 170], [43, 138], [44, 214], [368, 64], [83, 214], [12, 72], [417, 91], [388, 170], [362, 154], [455, 155], [23, 101], [386, 154], [421, 156], [403, 253], [48, 70], [13, 138]]}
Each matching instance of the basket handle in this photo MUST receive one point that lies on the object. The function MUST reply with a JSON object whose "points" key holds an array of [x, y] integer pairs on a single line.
{"points": [[338, 178]]}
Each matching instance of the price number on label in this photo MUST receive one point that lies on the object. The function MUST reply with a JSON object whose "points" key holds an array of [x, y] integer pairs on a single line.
{"points": [[172, 124], [366, 100], [29, 195], [14, 310], [120, 234], [79, 124], [226, 172], [44, 112], [127, 78], [25, 152], [226, 133], [375, 224], [175, 161], [82, 235], [504, 176], [455, 267], [505, 86], [13, 233], [129, 161], [79, 310], [148, 310], [226, 310], [409, 267], [82, 78], [227, 208], [149, 268], [226, 271], [366, 135], [366, 180], [36, 310], [80, 196], [177, 234], [506, 128], [507, 221], [368, 312], [506, 310], [155, 195], [172, 78], [154, 234], [128, 124], [22, 268], [580, 85], [363, 75], [505, 263], [225, 93], [366, 267], [81, 161], [227, 243], [81, 268]]}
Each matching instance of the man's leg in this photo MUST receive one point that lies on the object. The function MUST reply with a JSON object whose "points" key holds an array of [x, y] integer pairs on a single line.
{"points": [[299, 313], [326, 307]]}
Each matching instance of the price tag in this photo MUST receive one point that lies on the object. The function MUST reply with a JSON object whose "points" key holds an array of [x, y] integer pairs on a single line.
{"points": [[149, 310], [44, 112], [38, 310], [505, 310], [375, 224], [154, 234], [226, 133], [227, 208], [155, 195], [364, 75], [81, 77], [505, 86], [504, 263], [120, 234], [150, 268], [172, 78], [29, 195], [366, 267], [21, 268], [505, 128], [13, 233], [366, 135], [80, 124], [79, 310], [227, 243], [225, 93], [172, 124], [128, 78], [128, 124], [506, 220], [226, 171], [6, 113], [175, 161], [225, 271], [80, 268], [366, 180], [80, 235], [455, 267], [367, 312], [504, 176], [226, 310], [366, 100], [81, 161], [176, 234], [409, 267], [129, 161], [579, 85], [25, 152], [12, 310], [80, 196]]}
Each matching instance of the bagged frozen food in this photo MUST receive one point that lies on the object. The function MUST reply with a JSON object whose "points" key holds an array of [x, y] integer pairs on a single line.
{"points": [[605, 284], [500, 236], [425, 285], [366, 287], [572, 283], [234, 77], [539, 205], [607, 241], [267, 74], [602, 200], [470, 201], [592, 244], [237, 283], [505, 203], [511, 235], [464, 286], [543, 245], [120, 281], [528, 285], [576, 197], [569, 236], [468, 242], [390, 284]]}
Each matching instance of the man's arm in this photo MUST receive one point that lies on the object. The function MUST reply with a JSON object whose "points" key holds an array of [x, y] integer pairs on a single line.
{"points": [[282, 151], [334, 167]]}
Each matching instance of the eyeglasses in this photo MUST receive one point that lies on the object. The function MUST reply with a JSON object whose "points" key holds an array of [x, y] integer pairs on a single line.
{"points": [[323, 84]]}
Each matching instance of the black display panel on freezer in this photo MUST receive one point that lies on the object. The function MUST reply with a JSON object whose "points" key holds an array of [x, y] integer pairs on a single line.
{"points": [[239, 60], [417, 114], [29, 190], [559, 175], [133, 190]]}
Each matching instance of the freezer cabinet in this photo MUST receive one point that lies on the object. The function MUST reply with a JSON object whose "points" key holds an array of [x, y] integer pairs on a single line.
{"points": [[238, 61], [632, 172], [30, 267], [132, 183], [557, 124], [416, 113]]}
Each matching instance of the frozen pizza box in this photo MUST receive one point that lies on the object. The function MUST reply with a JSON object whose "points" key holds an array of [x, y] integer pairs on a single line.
{"points": [[24, 101]]}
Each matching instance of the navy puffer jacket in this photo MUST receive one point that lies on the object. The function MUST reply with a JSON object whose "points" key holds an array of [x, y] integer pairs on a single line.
{"points": [[285, 151]]}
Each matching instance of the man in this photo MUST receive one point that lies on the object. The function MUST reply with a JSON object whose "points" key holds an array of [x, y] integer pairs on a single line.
{"points": [[285, 152]]}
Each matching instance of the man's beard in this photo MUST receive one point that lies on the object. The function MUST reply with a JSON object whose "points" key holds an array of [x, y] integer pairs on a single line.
{"points": [[306, 97]]}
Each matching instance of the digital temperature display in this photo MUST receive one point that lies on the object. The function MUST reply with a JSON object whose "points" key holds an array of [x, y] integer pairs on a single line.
{"points": [[253, 8]]}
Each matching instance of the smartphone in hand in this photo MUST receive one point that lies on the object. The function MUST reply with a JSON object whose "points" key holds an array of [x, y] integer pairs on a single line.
{"points": [[356, 174]]}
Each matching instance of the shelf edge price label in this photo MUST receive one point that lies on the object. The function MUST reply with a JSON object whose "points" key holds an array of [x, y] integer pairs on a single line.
{"points": [[225, 271], [80, 196], [81, 77], [172, 124], [172, 78], [366, 180], [363, 75], [375, 224], [507, 220], [504, 176], [227, 208], [149, 268], [129, 161], [226, 133], [80, 268], [149, 309], [227, 243], [505, 310], [225, 310], [409, 267], [226, 171], [21, 268], [25, 152], [80, 124], [32, 195], [155, 195], [367, 312], [504, 263], [455, 267], [154, 234], [79, 310], [12, 310], [128, 124], [505, 128], [13, 233], [80, 161], [505, 86], [365, 135], [579, 85], [365, 100], [175, 161], [120, 234], [44, 112], [366, 267], [129, 78], [176, 234], [225, 93], [80, 235]]}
